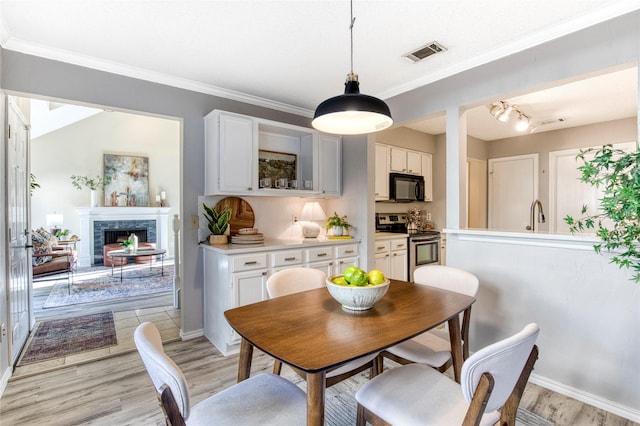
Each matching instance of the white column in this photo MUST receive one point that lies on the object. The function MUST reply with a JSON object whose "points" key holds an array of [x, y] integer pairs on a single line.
{"points": [[456, 175]]}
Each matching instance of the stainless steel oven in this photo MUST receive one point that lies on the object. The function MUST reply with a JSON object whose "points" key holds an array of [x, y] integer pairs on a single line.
{"points": [[424, 249]]}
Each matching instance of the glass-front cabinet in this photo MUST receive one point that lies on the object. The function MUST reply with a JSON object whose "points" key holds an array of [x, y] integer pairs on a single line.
{"points": [[252, 156]]}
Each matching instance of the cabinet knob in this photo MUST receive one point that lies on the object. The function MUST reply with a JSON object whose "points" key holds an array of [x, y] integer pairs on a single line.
{"points": [[348, 251], [321, 254], [249, 189], [288, 259]]}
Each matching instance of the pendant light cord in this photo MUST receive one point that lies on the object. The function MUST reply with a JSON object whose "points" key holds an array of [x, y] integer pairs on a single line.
{"points": [[353, 20]]}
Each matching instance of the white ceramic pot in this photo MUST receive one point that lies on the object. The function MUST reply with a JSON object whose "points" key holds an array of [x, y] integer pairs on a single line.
{"points": [[94, 198], [336, 230]]}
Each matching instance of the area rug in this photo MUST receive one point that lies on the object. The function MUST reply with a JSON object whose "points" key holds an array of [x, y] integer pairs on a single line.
{"points": [[93, 286], [59, 338]]}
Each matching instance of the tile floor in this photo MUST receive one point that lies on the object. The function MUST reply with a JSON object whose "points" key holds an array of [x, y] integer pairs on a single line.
{"points": [[166, 318]]}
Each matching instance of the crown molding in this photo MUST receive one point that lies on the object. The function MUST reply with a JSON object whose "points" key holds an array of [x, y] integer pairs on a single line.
{"points": [[46, 52]]}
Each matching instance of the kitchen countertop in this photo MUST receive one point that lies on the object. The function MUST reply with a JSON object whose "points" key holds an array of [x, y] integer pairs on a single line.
{"points": [[276, 244]]}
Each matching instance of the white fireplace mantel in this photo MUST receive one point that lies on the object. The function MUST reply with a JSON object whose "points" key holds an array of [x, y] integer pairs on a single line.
{"points": [[88, 215]]}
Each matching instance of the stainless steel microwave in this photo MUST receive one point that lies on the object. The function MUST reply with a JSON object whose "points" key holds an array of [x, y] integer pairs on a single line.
{"points": [[406, 188]]}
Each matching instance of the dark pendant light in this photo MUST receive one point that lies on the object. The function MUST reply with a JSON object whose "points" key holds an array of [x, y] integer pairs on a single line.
{"points": [[352, 113]]}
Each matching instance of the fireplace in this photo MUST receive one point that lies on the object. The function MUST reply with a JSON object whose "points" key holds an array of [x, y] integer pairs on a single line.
{"points": [[108, 232], [106, 225]]}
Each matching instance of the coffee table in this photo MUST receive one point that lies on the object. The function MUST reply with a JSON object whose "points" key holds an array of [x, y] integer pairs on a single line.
{"points": [[138, 253]]}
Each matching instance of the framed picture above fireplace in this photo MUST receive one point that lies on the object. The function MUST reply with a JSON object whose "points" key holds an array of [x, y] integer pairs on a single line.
{"points": [[128, 180]]}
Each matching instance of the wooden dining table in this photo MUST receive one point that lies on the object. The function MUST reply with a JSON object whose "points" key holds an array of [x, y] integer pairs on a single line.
{"points": [[313, 333]]}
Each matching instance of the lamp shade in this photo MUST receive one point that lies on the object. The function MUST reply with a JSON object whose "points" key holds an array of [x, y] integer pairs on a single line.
{"points": [[312, 211], [352, 113], [54, 219]]}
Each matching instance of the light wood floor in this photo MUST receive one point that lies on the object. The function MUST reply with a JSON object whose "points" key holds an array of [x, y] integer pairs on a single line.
{"points": [[118, 391]]}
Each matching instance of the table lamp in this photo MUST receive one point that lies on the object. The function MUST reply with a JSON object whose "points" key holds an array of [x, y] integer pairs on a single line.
{"points": [[311, 212], [54, 222]]}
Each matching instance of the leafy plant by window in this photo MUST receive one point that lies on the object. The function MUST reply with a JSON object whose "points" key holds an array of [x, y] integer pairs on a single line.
{"points": [[63, 234], [337, 220], [92, 183], [217, 221], [617, 172]]}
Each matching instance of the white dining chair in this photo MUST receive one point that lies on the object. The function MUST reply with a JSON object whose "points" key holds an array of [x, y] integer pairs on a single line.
{"points": [[297, 279], [493, 378], [433, 347], [262, 399]]}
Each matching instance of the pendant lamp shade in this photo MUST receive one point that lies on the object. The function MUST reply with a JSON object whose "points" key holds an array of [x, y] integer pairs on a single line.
{"points": [[352, 113]]}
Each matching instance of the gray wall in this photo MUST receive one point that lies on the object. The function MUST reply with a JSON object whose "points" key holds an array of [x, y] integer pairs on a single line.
{"points": [[31, 75], [568, 367]]}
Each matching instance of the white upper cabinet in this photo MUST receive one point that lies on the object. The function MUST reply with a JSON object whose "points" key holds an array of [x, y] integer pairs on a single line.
{"points": [[330, 176], [397, 160], [382, 172], [252, 156], [405, 161], [414, 162], [233, 154]]}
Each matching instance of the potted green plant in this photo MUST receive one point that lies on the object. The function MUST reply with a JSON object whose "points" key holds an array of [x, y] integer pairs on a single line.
{"points": [[617, 172], [217, 222], [336, 224], [63, 234], [126, 244], [92, 183]]}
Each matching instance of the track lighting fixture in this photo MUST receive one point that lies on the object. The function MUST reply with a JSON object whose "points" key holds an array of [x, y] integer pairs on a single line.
{"points": [[502, 111]]}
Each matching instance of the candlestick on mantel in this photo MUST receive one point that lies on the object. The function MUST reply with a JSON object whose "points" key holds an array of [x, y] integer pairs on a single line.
{"points": [[163, 195], [158, 198]]}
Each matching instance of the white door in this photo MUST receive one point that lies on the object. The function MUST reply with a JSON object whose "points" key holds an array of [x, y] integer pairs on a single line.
{"points": [[18, 230], [567, 194], [513, 186]]}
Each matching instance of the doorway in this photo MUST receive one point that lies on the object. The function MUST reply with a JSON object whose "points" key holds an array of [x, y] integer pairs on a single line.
{"points": [[513, 185], [72, 140]]}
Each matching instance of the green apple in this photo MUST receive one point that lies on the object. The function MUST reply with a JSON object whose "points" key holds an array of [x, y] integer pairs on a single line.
{"points": [[359, 278], [376, 277], [348, 273], [340, 281]]}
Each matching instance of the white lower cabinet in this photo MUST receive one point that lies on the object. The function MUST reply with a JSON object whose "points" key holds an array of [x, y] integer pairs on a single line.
{"points": [[383, 258], [392, 258], [399, 259], [232, 280], [345, 255]]}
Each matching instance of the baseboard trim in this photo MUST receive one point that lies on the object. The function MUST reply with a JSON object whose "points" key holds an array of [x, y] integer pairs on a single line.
{"points": [[192, 334], [4, 380], [587, 398]]}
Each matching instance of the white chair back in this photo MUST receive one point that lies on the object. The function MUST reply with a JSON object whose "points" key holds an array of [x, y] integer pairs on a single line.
{"points": [[294, 280], [447, 278], [161, 368], [504, 360]]}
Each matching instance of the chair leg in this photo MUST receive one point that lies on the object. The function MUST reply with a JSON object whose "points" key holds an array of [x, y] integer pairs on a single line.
{"points": [[277, 367], [510, 408]]}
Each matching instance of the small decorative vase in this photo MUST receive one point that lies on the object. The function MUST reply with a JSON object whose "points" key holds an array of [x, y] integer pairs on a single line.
{"points": [[336, 230], [94, 198], [217, 239]]}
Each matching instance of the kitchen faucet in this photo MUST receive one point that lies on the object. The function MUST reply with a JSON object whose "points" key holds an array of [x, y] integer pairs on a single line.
{"points": [[532, 222]]}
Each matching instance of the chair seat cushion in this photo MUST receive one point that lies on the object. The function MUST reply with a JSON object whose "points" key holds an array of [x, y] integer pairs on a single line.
{"points": [[350, 366], [417, 394], [264, 399], [424, 349]]}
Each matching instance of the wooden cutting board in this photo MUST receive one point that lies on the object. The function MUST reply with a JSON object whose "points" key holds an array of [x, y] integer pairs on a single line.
{"points": [[241, 213]]}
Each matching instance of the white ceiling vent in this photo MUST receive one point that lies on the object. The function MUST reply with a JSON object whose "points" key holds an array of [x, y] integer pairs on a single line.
{"points": [[425, 51]]}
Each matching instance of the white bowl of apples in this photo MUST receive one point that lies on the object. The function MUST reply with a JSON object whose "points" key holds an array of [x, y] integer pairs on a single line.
{"points": [[357, 290]]}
